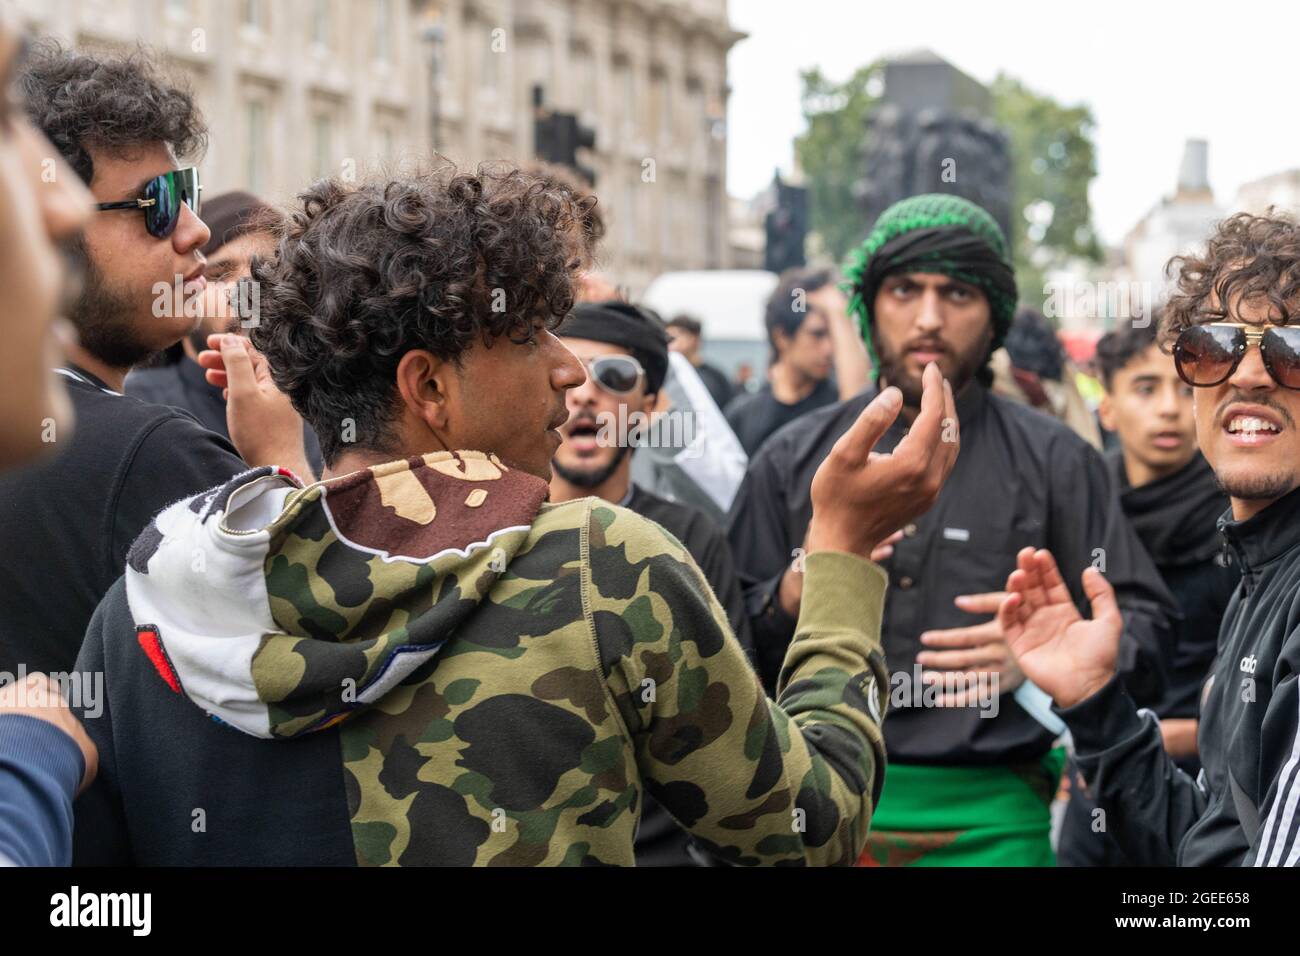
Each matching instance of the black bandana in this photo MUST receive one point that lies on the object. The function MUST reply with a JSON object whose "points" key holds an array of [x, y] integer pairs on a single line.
{"points": [[632, 327]]}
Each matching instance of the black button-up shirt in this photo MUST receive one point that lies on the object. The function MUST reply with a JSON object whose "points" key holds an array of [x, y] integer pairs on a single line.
{"points": [[1022, 479]]}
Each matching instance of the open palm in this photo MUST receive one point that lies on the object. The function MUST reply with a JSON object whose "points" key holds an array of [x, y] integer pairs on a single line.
{"points": [[1067, 655]]}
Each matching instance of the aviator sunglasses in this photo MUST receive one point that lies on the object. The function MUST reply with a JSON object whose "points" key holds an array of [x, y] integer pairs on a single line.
{"points": [[1208, 355], [161, 200]]}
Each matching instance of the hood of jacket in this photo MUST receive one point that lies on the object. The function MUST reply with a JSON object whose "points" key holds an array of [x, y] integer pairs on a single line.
{"points": [[281, 609]]}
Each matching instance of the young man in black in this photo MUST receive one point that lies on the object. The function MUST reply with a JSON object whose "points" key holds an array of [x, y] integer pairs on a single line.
{"points": [[243, 227], [1231, 327], [1169, 493], [71, 520], [816, 357], [684, 336]]}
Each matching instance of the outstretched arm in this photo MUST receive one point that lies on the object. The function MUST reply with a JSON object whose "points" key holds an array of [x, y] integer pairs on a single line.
{"points": [[1150, 803]]}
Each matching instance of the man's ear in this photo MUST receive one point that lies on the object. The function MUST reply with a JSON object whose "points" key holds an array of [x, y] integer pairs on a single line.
{"points": [[649, 401], [1106, 412], [429, 388]]}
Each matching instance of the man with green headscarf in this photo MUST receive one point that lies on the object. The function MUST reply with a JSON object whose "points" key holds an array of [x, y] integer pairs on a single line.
{"points": [[972, 772]]}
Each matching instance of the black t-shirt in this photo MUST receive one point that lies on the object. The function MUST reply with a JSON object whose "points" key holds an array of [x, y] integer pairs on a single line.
{"points": [[66, 524], [753, 417], [717, 383], [183, 385]]}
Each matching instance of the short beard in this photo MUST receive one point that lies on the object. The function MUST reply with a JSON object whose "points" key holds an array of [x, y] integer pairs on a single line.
{"points": [[102, 316], [891, 369], [591, 479], [1256, 487]]}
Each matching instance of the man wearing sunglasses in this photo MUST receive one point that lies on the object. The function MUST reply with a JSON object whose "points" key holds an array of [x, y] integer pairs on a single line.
{"points": [[1231, 322], [67, 523], [625, 351], [1169, 493]]}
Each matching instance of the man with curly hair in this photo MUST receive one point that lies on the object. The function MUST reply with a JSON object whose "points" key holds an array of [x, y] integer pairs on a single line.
{"points": [[1232, 327], [418, 660], [121, 127], [972, 770]]}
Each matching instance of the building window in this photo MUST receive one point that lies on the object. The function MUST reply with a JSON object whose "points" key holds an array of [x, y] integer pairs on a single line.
{"points": [[321, 22], [255, 154], [383, 29], [586, 71], [323, 142], [667, 131], [253, 14], [628, 89], [490, 67]]}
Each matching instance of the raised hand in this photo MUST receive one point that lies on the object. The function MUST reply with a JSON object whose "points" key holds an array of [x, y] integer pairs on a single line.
{"points": [[860, 497], [1065, 654], [264, 427]]}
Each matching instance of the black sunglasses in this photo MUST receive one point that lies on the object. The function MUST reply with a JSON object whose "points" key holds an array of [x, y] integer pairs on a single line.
{"points": [[163, 196], [617, 374], [1207, 355]]}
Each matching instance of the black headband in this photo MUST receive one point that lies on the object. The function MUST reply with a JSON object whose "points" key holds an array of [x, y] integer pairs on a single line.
{"points": [[636, 329]]}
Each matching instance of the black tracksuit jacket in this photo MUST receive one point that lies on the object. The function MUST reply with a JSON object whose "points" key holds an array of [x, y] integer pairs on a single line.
{"points": [[1244, 806]]}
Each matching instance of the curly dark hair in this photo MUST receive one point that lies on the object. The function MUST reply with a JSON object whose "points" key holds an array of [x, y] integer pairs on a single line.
{"points": [[84, 102], [590, 221], [438, 260], [1248, 258]]}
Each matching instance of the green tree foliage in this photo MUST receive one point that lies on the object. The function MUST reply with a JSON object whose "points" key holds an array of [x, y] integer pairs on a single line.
{"points": [[1053, 161], [830, 153]]}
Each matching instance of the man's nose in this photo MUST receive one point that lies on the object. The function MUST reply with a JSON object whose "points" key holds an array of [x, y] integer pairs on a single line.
{"points": [[191, 234], [568, 372], [1250, 374], [929, 316]]}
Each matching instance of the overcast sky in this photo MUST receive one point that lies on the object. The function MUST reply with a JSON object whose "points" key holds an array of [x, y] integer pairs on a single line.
{"points": [[1154, 73]]}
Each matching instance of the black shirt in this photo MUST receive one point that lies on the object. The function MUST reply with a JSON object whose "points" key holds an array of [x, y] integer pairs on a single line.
{"points": [[183, 385], [755, 416], [1176, 517], [1022, 479], [718, 385], [66, 524], [660, 841]]}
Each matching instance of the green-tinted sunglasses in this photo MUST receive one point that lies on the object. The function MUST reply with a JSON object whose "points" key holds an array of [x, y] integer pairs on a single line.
{"points": [[162, 199]]}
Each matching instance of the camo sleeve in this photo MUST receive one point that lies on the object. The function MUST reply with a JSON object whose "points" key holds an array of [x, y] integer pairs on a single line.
{"points": [[756, 782]]}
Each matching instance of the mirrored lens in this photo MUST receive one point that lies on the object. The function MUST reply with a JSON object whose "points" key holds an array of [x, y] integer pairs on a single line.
{"points": [[616, 373], [1205, 354], [1280, 347], [187, 187], [160, 218]]}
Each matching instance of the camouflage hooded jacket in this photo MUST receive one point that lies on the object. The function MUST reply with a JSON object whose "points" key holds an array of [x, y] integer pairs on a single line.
{"points": [[424, 663]]}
